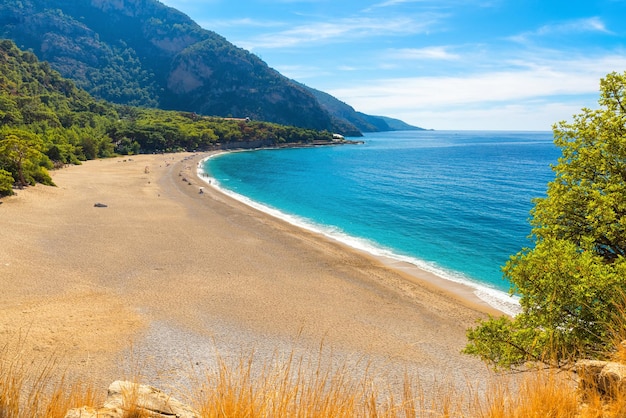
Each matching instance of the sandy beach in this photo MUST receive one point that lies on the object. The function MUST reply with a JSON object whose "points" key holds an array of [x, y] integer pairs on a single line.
{"points": [[164, 276]]}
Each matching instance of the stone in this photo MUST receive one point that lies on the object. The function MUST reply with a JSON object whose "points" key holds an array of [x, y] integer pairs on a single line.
{"points": [[613, 378], [607, 377], [123, 396], [87, 412]]}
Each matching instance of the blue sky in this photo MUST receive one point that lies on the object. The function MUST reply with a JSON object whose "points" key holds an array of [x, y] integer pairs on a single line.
{"points": [[441, 64]]}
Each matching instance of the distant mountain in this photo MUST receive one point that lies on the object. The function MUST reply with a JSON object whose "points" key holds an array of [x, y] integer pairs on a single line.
{"points": [[47, 122], [141, 52], [384, 123], [365, 123]]}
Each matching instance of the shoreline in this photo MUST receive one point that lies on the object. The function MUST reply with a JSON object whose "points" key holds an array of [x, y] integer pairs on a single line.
{"points": [[493, 301], [166, 276]]}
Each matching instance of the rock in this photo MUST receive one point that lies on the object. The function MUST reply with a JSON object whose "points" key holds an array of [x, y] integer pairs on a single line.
{"points": [[87, 412], [608, 378], [100, 205], [590, 367], [613, 378], [124, 396]]}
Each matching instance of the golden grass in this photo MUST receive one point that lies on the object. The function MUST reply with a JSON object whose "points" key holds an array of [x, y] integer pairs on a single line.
{"points": [[295, 387], [30, 389]]}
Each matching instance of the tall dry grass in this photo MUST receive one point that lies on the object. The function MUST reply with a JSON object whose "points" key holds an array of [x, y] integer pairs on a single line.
{"points": [[299, 387], [30, 389]]}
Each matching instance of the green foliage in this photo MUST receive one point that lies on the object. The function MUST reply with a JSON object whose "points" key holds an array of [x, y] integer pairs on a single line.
{"points": [[20, 153], [574, 278], [47, 122], [6, 183], [151, 130], [146, 54]]}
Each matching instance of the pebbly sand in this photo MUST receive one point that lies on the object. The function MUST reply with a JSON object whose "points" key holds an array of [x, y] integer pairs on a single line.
{"points": [[165, 277]]}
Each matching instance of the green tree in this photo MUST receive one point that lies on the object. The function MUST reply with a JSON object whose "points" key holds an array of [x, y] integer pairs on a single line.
{"points": [[22, 152], [575, 276], [6, 183]]}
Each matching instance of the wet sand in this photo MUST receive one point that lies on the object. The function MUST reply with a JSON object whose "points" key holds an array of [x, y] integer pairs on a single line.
{"points": [[165, 276]]}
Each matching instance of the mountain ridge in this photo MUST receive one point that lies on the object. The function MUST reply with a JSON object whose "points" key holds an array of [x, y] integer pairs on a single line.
{"points": [[144, 53], [47, 122]]}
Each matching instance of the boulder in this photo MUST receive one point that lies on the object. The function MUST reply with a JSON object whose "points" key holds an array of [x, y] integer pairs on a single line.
{"points": [[127, 396], [87, 412], [607, 377]]}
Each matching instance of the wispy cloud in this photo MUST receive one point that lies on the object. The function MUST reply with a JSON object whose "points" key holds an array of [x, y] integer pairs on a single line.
{"points": [[523, 116], [214, 24], [428, 53], [182, 3], [592, 24], [341, 30], [539, 82], [389, 3], [587, 25], [432, 3], [302, 72]]}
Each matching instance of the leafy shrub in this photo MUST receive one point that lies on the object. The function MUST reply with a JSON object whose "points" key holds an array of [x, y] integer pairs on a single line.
{"points": [[6, 183]]}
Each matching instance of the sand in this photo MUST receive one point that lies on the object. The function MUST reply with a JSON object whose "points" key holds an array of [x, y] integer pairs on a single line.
{"points": [[164, 277]]}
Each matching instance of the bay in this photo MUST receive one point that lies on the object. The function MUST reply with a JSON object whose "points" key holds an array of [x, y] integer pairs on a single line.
{"points": [[455, 203]]}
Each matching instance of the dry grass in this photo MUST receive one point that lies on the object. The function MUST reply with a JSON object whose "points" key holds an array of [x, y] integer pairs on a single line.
{"points": [[29, 389], [295, 387], [546, 393]]}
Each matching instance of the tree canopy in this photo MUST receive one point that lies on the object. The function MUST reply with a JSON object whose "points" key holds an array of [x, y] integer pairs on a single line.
{"points": [[573, 281], [46, 122], [144, 53]]}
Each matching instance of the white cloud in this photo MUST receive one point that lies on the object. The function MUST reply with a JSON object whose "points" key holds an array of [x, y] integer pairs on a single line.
{"points": [[446, 91], [592, 24], [391, 3], [428, 53], [459, 98], [433, 3], [302, 72], [214, 24], [182, 3], [530, 116], [341, 30]]}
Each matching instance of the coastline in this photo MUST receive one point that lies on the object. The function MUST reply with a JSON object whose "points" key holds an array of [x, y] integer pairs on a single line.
{"points": [[168, 276], [484, 298]]}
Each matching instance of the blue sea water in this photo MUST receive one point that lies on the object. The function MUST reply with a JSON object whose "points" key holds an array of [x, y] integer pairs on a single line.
{"points": [[455, 203]]}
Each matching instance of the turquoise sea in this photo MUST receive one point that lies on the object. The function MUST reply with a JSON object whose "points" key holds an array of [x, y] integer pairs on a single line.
{"points": [[455, 203]]}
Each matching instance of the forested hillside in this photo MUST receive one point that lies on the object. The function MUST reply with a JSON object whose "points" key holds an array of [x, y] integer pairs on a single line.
{"points": [[46, 121], [141, 52]]}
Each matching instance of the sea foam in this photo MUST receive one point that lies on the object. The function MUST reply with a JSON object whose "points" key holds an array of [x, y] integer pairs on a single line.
{"points": [[502, 301]]}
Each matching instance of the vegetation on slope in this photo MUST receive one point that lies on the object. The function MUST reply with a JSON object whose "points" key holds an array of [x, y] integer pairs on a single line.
{"points": [[143, 53], [46, 122], [343, 112]]}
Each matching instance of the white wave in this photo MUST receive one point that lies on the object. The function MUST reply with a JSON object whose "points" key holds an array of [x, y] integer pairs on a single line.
{"points": [[495, 298]]}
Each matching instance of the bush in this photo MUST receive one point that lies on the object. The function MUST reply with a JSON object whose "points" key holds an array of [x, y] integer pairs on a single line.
{"points": [[570, 282], [6, 183]]}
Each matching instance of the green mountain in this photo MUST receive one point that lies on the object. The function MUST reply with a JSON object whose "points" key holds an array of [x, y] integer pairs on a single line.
{"points": [[140, 52], [143, 53], [47, 122], [343, 112], [385, 123]]}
